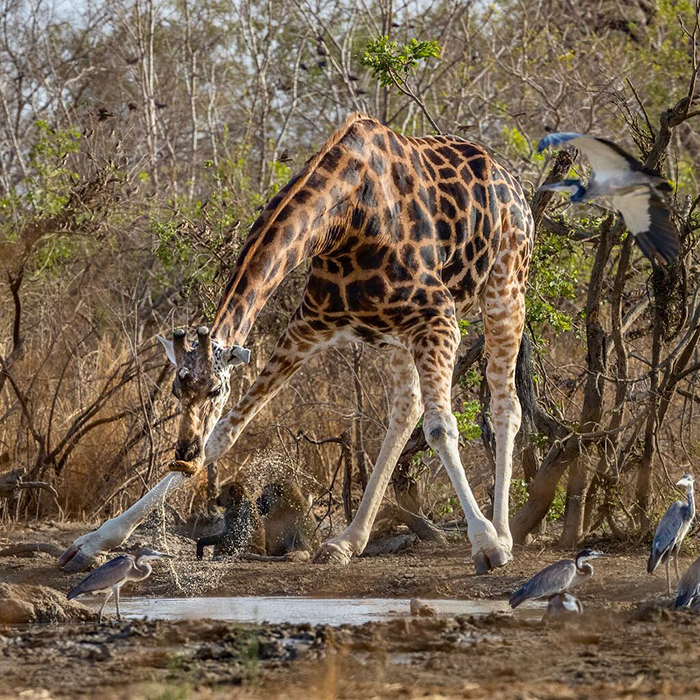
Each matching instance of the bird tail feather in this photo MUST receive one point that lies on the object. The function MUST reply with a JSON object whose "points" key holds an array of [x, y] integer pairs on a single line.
{"points": [[683, 599], [660, 242], [657, 556], [653, 562]]}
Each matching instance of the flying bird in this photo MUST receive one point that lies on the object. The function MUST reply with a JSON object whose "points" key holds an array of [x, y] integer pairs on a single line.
{"points": [[557, 578], [671, 530], [635, 191], [112, 575]]}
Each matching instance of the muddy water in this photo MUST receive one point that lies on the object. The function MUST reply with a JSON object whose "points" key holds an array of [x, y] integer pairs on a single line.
{"points": [[296, 610]]}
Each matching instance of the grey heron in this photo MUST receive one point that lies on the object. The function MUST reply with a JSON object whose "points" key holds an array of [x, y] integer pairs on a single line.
{"points": [[671, 531], [112, 575], [689, 586], [634, 191], [557, 578], [561, 606]]}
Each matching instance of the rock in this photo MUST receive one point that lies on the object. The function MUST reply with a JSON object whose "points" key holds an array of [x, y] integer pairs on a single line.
{"points": [[22, 603], [420, 609], [15, 612]]}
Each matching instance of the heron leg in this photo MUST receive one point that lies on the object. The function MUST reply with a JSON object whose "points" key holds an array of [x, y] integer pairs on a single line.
{"points": [[675, 563], [104, 602], [668, 574], [116, 602]]}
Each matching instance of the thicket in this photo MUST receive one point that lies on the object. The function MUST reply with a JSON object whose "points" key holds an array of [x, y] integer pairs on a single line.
{"points": [[139, 141]]}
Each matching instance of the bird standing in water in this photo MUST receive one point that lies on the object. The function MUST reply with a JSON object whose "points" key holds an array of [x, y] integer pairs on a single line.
{"points": [[112, 575], [671, 531], [557, 578], [635, 191]]}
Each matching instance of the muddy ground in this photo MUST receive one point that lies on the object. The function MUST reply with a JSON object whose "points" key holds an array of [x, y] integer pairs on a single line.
{"points": [[628, 645]]}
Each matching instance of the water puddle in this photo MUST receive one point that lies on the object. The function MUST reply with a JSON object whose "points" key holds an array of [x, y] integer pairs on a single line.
{"points": [[314, 611]]}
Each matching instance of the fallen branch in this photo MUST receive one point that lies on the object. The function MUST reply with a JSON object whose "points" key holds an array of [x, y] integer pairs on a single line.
{"points": [[28, 547]]}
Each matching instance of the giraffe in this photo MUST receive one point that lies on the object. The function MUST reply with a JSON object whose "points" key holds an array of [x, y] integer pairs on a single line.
{"points": [[405, 236]]}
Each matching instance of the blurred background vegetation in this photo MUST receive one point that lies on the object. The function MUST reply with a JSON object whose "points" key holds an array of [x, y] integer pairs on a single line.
{"points": [[139, 140]]}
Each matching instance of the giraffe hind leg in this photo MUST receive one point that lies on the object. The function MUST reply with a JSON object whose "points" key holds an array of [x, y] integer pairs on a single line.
{"points": [[503, 311], [434, 348]]}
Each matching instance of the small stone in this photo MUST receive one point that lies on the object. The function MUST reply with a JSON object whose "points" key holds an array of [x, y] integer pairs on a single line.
{"points": [[421, 609]]}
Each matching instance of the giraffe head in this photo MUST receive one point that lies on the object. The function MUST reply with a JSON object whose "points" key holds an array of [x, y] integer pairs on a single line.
{"points": [[202, 384]]}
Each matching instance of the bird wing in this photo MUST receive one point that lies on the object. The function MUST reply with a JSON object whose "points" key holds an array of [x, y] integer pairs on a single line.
{"points": [[604, 155], [554, 579], [571, 186], [105, 576], [666, 533], [688, 585], [649, 220]]}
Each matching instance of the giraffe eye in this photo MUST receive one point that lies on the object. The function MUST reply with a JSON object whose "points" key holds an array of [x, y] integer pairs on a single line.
{"points": [[214, 392]]}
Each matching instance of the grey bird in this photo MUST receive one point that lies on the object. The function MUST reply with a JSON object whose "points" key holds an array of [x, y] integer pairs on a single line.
{"points": [[112, 575], [635, 191], [562, 606], [557, 578], [689, 587], [671, 531]]}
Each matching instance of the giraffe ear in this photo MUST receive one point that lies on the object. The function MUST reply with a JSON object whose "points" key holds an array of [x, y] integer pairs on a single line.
{"points": [[169, 350], [236, 355]]}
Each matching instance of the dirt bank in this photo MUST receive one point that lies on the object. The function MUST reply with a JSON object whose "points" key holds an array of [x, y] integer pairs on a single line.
{"points": [[627, 645]]}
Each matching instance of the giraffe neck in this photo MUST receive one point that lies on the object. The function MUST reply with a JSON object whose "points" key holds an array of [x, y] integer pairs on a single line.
{"points": [[304, 219]]}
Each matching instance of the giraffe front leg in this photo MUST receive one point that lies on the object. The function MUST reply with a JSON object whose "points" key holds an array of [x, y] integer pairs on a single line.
{"points": [[434, 349], [405, 412], [85, 550]]}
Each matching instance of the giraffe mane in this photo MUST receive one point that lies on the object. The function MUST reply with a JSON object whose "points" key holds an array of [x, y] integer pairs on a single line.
{"points": [[308, 170]]}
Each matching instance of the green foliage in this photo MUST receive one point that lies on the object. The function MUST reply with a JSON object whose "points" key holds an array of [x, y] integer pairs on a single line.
{"points": [[471, 378], [44, 193], [391, 62], [467, 420], [517, 143], [446, 502], [553, 279], [49, 184], [519, 496], [556, 510]]}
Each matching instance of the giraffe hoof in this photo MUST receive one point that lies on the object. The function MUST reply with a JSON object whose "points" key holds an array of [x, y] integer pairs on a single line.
{"points": [[330, 553], [499, 558], [74, 560], [483, 563], [187, 468]]}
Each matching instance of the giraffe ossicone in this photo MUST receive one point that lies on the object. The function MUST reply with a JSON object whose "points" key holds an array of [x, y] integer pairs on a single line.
{"points": [[405, 236]]}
